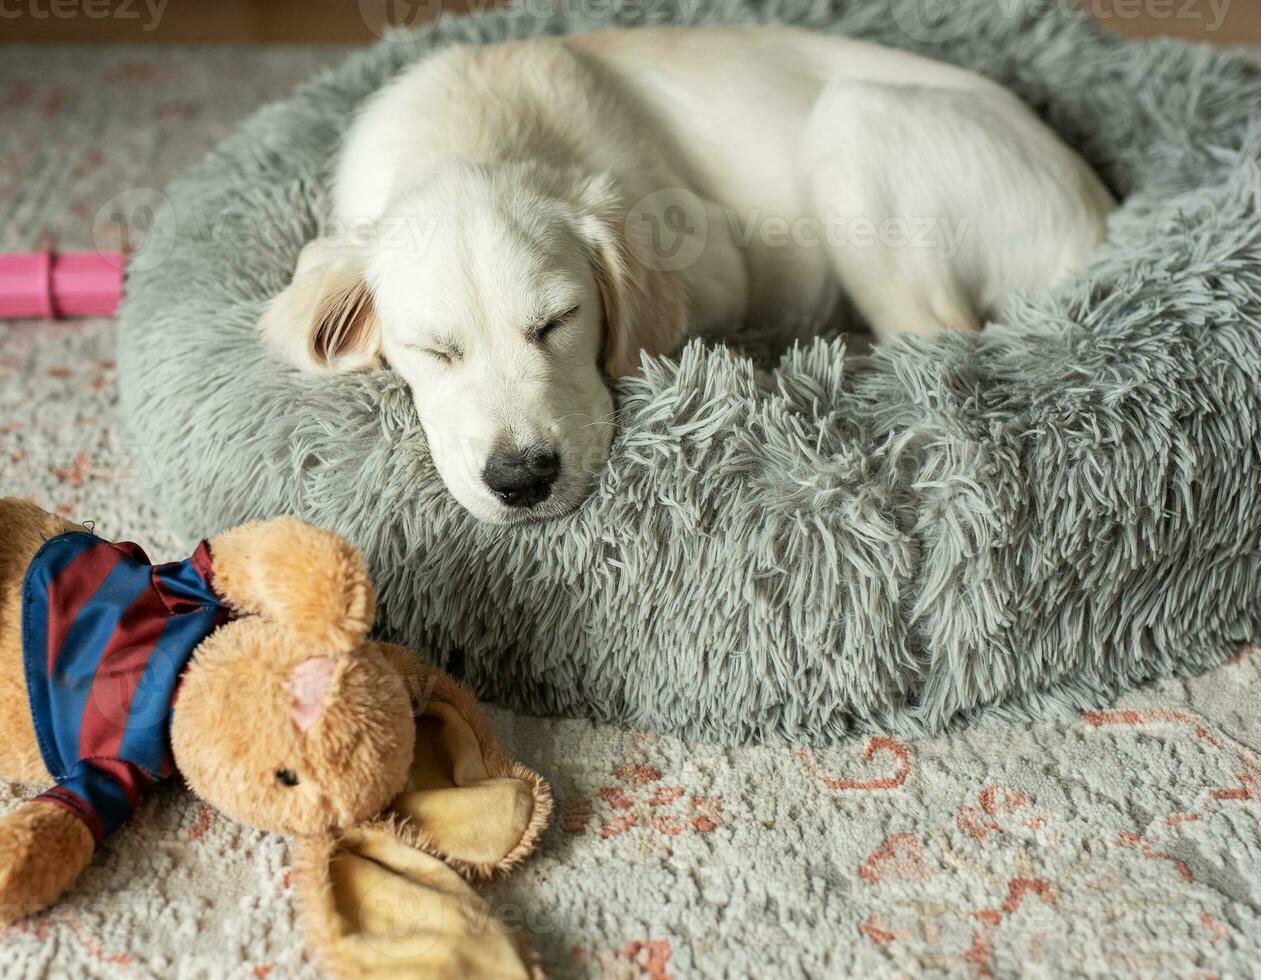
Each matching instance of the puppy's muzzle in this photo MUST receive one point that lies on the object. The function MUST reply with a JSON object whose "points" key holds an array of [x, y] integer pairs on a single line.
{"points": [[522, 478]]}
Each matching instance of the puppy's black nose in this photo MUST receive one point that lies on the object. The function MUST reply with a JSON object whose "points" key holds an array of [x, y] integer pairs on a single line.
{"points": [[522, 478]]}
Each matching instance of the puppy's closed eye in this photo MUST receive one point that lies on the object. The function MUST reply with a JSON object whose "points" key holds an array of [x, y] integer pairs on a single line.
{"points": [[540, 332], [445, 354], [441, 356]]}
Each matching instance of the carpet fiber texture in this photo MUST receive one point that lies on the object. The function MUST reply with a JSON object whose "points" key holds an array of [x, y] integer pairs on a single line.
{"points": [[1123, 841], [1031, 519]]}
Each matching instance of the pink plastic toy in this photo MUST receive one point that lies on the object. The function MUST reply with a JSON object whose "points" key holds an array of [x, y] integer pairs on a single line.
{"points": [[53, 284]]}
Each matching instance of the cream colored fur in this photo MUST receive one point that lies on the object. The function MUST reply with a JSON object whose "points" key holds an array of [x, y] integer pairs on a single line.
{"points": [[629, 187]]}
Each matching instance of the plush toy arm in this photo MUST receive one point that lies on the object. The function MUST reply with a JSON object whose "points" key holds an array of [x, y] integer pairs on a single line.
{"points": [[43, 849], [306, 578]]}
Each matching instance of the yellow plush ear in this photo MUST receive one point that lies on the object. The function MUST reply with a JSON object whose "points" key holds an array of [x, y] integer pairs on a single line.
{"points": [[376, 908], [311, 580], [390, 898], [466, 800]]}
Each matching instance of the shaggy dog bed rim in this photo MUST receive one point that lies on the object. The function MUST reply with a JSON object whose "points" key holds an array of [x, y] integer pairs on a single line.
{"points": [[1020, 523]]}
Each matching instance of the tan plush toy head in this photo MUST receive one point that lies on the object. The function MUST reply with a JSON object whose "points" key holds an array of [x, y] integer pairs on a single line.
{"points": [[246, 667], [288, 720], [284, 736]]}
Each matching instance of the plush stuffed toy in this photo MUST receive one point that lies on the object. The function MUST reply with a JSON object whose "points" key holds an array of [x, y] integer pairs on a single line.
{"points": [[244, 668], [247, 670]]}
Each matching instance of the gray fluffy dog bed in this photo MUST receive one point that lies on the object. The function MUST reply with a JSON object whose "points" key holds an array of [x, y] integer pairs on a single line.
{"points": [[1026, 521]]}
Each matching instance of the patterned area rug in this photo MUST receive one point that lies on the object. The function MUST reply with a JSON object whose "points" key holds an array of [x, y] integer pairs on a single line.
{"points": [[1125, 842]]}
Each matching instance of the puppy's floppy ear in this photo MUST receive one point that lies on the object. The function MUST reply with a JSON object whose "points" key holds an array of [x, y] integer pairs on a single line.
{"points": [[645, 307], [325, 321]]}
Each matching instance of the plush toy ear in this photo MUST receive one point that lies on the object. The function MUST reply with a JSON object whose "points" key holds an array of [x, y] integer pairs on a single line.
{"points": [[466, 800], [302, 577], [375, 907], [309, 684], [389, 898]]}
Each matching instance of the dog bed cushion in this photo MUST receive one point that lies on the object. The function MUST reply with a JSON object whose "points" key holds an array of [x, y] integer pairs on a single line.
{"points": [[1023, 521]]}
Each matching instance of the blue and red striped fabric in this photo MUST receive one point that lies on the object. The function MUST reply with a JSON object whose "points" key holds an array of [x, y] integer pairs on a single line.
{"points": [[105, 638]]}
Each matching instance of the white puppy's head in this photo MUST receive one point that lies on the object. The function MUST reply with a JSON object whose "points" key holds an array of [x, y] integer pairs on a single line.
{"points": [[502, 293]]}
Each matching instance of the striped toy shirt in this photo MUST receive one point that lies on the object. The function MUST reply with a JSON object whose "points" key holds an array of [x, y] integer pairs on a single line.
{"points": [[105, 638]]}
